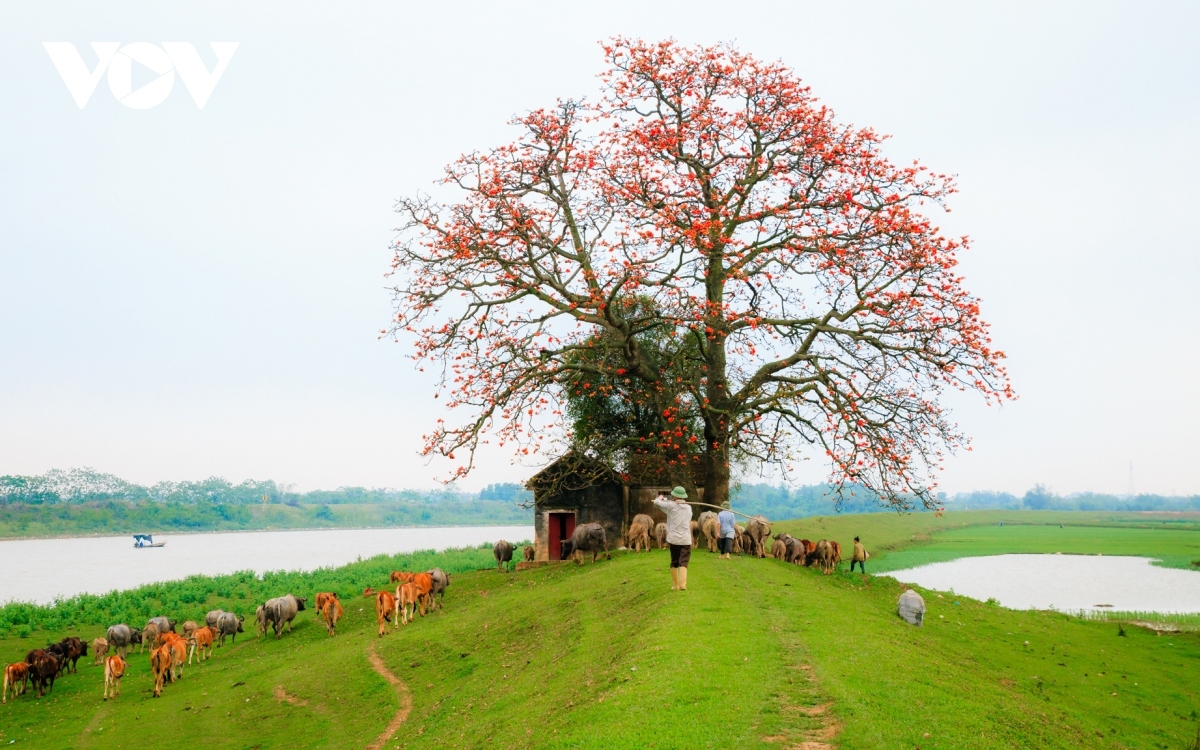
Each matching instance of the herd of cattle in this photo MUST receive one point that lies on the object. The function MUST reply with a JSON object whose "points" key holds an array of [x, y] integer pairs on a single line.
{"points": [[415, 592], [751, 539], [169, 650]]}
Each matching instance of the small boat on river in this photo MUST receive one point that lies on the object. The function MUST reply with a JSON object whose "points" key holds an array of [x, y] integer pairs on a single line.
{"points": [[146, 540]]}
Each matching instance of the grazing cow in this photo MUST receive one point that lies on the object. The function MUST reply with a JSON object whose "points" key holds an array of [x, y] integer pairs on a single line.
{"points": [[190, 627], [528, 552], [502, 551], [385, 606], [121, 638], [589, 537], [400, 576], [712, 532], [160, 667], [322, 597], [638, 537], [759, 530], [660, 535], [407, 596], [114, 670], [42, 670], [331, 612], [15, 677], [100, 649], [202, 641], [644, 520], [210, 619], [229, 624], [74, 649], [149, 637], [164, 625], [281, 610], [441, 582], [695, 527], [260, 618]]}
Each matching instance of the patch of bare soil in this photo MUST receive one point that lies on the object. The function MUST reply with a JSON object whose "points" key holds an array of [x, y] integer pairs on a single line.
{"points": [[284, 696], [401, 691]]}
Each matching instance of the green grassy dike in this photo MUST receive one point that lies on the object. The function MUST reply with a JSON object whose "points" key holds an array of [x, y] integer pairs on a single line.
{"points": [[755, 654]]}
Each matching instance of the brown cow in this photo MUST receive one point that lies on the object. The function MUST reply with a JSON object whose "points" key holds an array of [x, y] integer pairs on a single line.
{"points": [[178, 647], [100, 648], [114, 670], [331, 611], [660, 535], [400, 576], [322, 597], [712, 532], [43, 668], [424, 584], [638, 537], [202, 641], [407, 595], [160, 667], [15, 677], [644, 520], [528, 553], [385, 606]]}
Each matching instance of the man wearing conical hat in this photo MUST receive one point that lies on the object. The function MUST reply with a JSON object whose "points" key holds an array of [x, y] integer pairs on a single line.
{"points": [[679, 534]]}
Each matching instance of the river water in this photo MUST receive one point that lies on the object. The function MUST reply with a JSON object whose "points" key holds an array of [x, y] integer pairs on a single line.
{"points": [[39, 570], [1069, 583]]}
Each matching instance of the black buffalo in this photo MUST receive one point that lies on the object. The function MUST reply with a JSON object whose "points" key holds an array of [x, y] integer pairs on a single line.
{"points": [[589, 537]]}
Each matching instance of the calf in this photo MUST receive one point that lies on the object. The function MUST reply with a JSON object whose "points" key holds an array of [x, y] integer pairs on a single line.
{"points": [[202, 641], [400, 576], [99, 648], [260, 621], [42, 670], [331, 612], [15, 677], [660, 535], [779, 549], [644, 520], [638, 537], [407, 596], [528, 552], [502, 551], [320, 599], [385, 606], [178, 648], [114, 670], [160, 667]]}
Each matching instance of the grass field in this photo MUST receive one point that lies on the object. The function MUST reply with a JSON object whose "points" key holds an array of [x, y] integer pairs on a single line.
{"points": [[756, 654]]}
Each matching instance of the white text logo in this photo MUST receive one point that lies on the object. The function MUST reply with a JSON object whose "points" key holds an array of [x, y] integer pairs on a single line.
{"points": [[165, 61]]}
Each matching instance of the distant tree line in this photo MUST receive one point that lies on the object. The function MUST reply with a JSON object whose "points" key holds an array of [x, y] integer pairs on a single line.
{"points": [[81, 486], [798, 502]]}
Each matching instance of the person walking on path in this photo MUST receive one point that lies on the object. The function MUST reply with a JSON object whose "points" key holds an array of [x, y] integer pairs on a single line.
{"points": [[860, 557], [728, 532], [679, 534]]}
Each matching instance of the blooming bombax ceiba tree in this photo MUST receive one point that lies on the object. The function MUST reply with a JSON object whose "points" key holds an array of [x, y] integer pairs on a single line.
{"points": [[705, 238]]}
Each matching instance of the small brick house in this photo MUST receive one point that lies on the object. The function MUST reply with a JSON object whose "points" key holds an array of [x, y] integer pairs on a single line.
{"points": [[575, 490]]}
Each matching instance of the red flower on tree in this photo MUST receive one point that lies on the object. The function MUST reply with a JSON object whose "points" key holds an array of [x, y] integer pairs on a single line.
{"points": [[787, 261]]}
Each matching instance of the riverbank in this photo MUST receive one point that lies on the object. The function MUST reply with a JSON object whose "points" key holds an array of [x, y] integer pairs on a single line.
{"points": [[756, 654]]}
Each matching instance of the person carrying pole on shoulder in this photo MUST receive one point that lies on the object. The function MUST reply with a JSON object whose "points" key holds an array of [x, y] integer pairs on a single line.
{"points": [[728, 531], [859, 558], [679, 534]]}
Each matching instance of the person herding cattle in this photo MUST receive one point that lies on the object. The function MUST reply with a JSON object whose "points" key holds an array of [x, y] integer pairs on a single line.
{"points": [[728, 530], [679, 534], [859, 557]]}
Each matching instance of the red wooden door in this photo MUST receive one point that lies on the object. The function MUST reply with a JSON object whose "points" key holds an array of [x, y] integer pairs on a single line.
{"points": [[562, 525]]}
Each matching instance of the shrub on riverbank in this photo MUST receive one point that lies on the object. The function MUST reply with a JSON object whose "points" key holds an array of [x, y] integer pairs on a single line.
{"points": [[239, 592]]}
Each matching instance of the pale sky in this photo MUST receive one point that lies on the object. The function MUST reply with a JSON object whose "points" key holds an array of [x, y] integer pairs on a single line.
{"points": [[190, 292]]}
